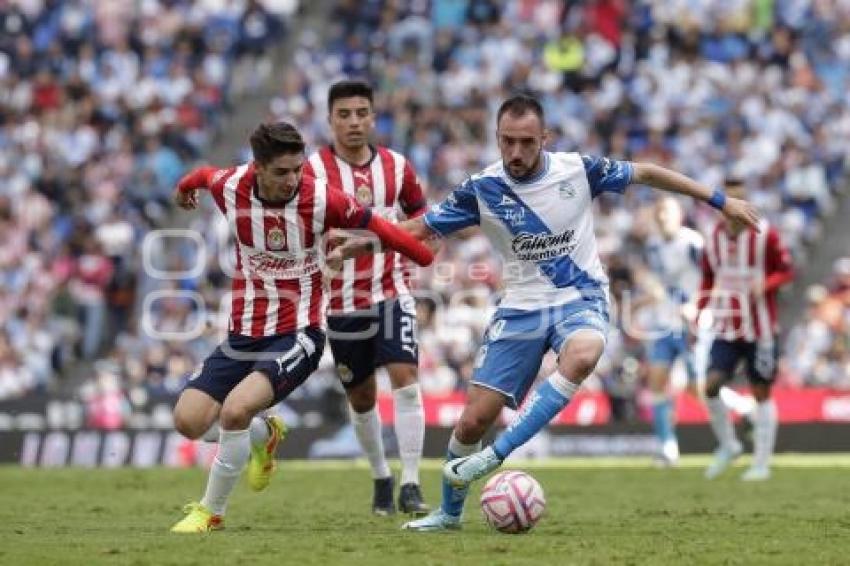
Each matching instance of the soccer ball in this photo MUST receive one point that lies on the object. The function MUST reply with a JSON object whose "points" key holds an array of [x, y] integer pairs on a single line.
{"points": [[512, 502]]}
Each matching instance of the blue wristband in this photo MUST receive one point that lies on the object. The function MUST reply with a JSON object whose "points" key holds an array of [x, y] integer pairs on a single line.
{"points": [[718, 199]]}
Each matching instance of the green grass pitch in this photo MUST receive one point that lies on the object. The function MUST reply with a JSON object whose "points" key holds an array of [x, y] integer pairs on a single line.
{"points": [[601, 511]]}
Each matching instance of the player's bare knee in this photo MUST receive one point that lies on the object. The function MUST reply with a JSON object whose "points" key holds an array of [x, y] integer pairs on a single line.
{"points": [[234, 417], [657, 380], [471, 427], [361, 400], [582, 364], [402, 375], [363, 396], [761, 392], [712, 389], [188, 426]]}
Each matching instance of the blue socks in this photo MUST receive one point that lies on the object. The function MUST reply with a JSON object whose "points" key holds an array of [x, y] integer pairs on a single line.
{"points": [[546, 402], [454, 497], [662, 420]]}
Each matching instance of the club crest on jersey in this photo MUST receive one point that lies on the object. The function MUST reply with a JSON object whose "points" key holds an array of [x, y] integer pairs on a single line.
{"points": [[345, 373], [566, 190], [276, 239], [363, 195], [515, 216]]}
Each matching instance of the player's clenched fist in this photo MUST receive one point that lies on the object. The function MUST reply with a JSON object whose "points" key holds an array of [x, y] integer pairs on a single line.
{"points": [[186, 196], [187, 200], [742, 211]]}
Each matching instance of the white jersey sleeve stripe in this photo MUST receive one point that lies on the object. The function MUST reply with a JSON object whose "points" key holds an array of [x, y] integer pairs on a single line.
{"points": [[348, 266], [398, 170], [379, 192], [320, 203]]}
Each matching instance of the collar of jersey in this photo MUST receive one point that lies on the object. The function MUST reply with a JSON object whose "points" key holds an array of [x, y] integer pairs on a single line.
{"points": [[270, 204], [533, 178], [374, 152]]}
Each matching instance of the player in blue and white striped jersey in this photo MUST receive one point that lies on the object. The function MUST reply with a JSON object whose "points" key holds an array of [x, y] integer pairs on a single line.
{"points": [[673, 254], [535, 206]]}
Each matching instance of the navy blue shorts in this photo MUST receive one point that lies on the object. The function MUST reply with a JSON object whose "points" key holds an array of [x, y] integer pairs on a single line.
{"points": [[365, 340], [287, 360], [760, 359]]}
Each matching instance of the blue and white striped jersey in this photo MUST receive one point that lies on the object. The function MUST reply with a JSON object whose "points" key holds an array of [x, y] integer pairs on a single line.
{"points": [[676, 263], [542, 226]]}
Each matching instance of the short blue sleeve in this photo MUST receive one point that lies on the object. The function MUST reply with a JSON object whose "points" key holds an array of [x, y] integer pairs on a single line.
{"points": [[606, 175], [458, 211]]}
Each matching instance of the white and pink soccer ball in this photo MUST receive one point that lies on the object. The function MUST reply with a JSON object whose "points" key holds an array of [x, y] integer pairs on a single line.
{"points": [[512, 502]]}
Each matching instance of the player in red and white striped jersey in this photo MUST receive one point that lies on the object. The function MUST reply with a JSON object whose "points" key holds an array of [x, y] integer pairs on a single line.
{"points": [[372, 316], [278, 218], [742, 271]]}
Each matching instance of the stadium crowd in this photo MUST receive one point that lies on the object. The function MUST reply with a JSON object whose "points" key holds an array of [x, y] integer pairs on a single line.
{"points": [[756, 89], [103, 104]]}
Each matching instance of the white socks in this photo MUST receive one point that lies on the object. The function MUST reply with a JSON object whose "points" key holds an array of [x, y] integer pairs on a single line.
{"points": [[765, 423], [234, 448], [721, 424], [459, 450], [258, 428], [409, 430], [744, 405], [367, 427], [259, 431], [212, 434], [563, 385]]}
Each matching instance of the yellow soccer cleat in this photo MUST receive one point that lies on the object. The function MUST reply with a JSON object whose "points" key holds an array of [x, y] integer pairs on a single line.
{"points": [[198, 519], [262, 462]]}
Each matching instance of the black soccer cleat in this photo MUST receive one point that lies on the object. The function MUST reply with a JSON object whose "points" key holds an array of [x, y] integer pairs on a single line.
{"points": [[410, 501], [382, 499]]}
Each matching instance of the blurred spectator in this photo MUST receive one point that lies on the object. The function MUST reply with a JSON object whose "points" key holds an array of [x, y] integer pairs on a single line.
{"points": [[102, 105], [818, 348]]}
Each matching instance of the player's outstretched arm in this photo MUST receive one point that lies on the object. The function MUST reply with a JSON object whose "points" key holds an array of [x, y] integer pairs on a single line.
{"points": [[668, 180], [347, 246], [401, 240], [186, 195]]}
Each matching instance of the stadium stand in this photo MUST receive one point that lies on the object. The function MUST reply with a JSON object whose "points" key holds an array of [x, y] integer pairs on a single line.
{"points": [[93, 144], [102, 106]]}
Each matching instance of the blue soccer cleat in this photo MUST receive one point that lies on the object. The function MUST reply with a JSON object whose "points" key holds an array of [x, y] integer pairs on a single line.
{"points": [[438, 520], [461, 472]]}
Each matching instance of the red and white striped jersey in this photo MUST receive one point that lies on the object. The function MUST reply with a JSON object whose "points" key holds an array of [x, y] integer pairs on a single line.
{"points": [[387, 184], [277, 288], [731, 267]]}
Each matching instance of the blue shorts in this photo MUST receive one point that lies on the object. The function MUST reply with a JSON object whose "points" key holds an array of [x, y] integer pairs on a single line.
{"points": [[760, 359], [665, 350], [286, 359], [517, 340], [369, 339]]}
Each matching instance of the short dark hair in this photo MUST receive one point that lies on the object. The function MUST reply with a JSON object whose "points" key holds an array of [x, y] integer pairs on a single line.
{"points": [[734, 180], [518, 105], [270, 140], [348, 89]]}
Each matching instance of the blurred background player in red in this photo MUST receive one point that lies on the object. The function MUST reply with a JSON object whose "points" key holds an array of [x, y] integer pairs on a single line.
{"points": [[372, 315], [742, 270], [276, 336]]}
